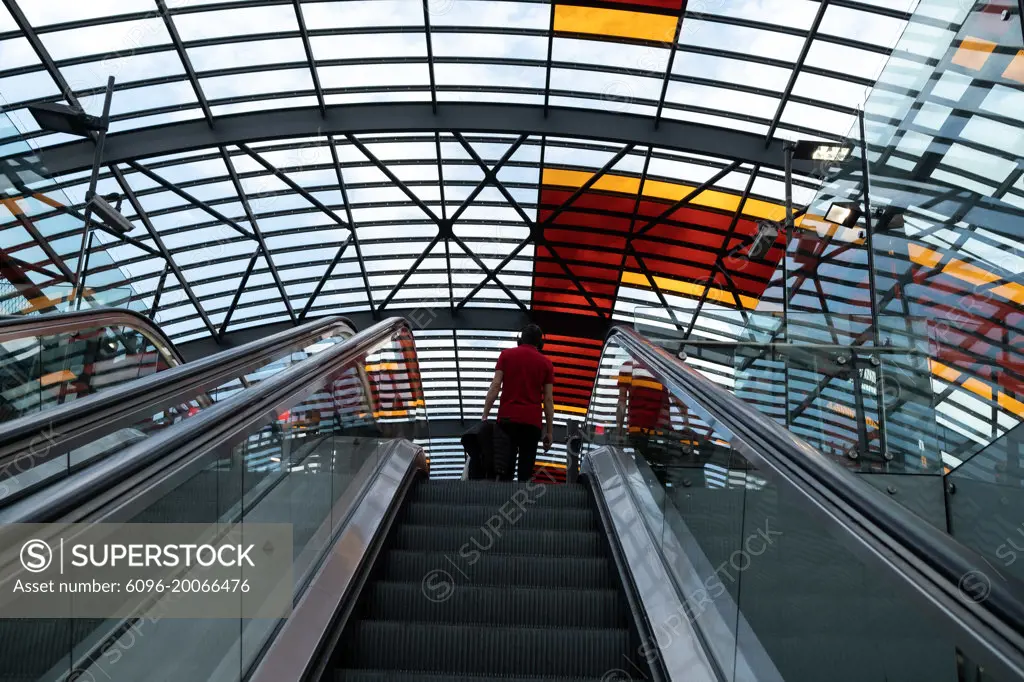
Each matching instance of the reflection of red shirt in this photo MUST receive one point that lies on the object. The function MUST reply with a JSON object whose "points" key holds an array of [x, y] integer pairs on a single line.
{"points": [[648, 398], [525, 373]]}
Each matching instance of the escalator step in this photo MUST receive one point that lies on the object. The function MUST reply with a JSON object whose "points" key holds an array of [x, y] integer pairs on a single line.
{"points": [[501, 570], [388, 676], [497, 493], [509, 515], [467, 542], [471, 649], [501, 605]]}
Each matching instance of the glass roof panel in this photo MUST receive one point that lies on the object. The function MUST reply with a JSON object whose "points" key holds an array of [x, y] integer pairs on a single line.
{"points": [[250, 58], [215, 23], [113, 39]]}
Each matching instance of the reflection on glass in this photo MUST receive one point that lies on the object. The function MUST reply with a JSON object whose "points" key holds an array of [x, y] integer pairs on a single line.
{"points": [[95, 359], [764, 576], [295, 465]]}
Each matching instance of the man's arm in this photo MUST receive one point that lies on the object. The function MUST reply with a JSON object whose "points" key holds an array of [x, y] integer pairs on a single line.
{"points": [[492, 393], [549, 415]]}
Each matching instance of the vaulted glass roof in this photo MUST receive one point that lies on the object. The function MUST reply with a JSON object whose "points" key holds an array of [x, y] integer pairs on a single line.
{"points": [[284, 159]]}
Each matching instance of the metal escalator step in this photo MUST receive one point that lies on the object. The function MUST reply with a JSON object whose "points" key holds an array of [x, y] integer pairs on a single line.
{"points": [[466, 542], [506, 516], [496, 605], [497, 493], [389, 676], [501, 570], [472, 649]]}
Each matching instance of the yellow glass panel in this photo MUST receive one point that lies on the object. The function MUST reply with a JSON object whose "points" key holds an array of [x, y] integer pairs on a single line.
{"points": [[607, 182], [688, 289], [944, 371], [614, 22], [1011, 405], [570, 408], [1011, 291], [978, 388], [969, 273], [670, 191], [924, 256], [764, 209], [973, 53], [1015, 71]]}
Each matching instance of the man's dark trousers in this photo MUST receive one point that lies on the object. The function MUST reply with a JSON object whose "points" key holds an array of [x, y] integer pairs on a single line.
{"points": [[514, 442]]}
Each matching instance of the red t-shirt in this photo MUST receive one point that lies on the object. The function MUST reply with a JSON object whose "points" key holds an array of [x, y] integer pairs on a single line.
{"points": [[648, 398], [526, 372]]}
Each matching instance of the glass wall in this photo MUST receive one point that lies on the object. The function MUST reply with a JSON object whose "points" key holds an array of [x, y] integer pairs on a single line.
{"points": [[40, 241], [938, 261]]}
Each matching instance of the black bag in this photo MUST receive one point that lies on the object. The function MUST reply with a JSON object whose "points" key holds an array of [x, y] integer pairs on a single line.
{"points": [[478, 442]]}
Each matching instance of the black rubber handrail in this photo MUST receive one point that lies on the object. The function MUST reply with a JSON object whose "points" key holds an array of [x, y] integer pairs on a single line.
{"points": [[83, 497], [45, 435], [57, 323], [906, 532]]}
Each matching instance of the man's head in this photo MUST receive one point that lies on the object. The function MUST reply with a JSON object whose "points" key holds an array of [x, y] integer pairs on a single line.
{"points": [[532, 335]]}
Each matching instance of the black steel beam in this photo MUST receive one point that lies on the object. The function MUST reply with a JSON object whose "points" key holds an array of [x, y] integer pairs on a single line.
{"points": [[710, 182], [591, 181], [812, 32], [394, 178], [238, 292], [725, 248], [155, 236], [397, 117], [242, 197], [408, 273], [47, 248], [483, 266], [309, 56], [323, 280], [490, 174], [157, 292], [654, 285], [202, 205], [668, 67], [44, 57], [351, 221], [430, 55], [185, 61], [491, 274]]}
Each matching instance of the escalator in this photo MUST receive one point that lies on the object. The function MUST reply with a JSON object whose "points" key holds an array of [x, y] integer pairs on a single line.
{"points": [[727, 551], [491, 581], [49, 360], [58, 438]]}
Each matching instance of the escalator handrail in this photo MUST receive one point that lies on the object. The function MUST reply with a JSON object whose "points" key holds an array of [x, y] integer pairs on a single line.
{"points": [[194, 436], [786, 452], [22, 434], [57, 323]]}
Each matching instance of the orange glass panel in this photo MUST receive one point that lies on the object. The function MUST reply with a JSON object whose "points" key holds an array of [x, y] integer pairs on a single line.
{"points": [[973, 53], [1015, 71], [615, 22]]}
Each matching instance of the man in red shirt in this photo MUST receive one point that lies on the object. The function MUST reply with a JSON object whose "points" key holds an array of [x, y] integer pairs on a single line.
{"points": [[524, 377]]}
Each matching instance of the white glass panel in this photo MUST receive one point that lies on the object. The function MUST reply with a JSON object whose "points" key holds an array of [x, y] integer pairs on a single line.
{"points": [[60, 11], [235, 22], [378, 45], [16, 52], [355, 13], [223, 87], [741, 39], [861, 26], [109, 39], [790, 13], [253, 53], [378, 78], [149, 97]]}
